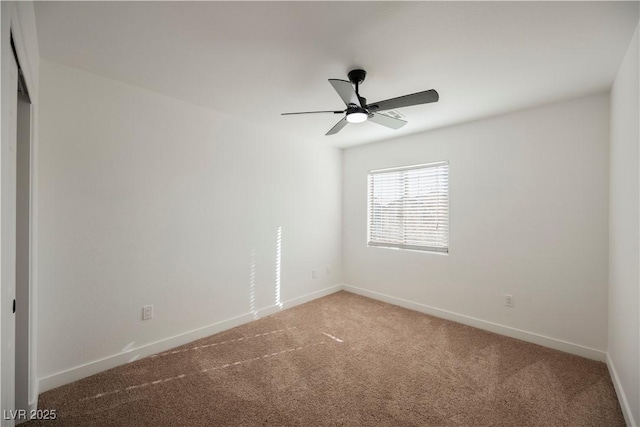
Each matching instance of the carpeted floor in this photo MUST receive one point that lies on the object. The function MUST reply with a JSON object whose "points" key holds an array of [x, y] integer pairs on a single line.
{"points": [[345, 360]]}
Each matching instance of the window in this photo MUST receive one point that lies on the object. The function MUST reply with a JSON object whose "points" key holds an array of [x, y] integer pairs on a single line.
{"points": [[409, 207]]}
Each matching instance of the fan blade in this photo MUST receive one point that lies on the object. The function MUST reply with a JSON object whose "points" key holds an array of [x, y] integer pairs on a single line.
{"points": [[390, 122], [405, 101], [313, 112], [338, 127], [346, 91]]}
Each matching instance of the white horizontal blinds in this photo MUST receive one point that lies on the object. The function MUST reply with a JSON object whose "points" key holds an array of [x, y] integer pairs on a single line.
{"points": [[409, 207]]}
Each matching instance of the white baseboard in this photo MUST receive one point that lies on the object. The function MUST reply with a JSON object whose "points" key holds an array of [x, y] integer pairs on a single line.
{"points": [[32, 406], [313, 295], [532, 337], [622, 397], [33, 403], [82, 371]]}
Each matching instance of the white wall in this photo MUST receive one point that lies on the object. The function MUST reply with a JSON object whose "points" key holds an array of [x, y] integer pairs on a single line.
{"points": [[528, 217], [624, 235], [145, 199]]}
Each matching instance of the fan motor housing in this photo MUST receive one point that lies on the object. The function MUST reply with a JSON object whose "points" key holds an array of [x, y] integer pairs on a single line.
{"points": [[352, 108]]}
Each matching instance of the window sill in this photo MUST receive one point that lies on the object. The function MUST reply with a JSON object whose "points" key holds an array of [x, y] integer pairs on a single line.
{"points": [[427, 251]]}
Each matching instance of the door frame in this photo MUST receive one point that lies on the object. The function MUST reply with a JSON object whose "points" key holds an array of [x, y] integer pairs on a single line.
{"points": [[18, 23]]}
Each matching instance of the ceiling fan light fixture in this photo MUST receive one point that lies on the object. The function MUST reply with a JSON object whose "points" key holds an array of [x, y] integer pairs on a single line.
{"points": [[357, 117]]}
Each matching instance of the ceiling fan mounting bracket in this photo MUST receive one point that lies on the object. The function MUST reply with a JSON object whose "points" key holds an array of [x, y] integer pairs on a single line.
{"points": [[357, 76]]}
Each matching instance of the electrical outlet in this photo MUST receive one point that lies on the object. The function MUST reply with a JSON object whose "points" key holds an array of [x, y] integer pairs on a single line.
{"points": [[147, 312], [314, 274], [508, 300]]}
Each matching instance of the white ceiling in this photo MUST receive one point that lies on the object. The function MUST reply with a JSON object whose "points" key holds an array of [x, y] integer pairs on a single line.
{"points": [[256, 60]]}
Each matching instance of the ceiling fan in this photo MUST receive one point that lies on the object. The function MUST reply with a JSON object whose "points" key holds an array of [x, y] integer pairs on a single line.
{"points": [[359, 111]]}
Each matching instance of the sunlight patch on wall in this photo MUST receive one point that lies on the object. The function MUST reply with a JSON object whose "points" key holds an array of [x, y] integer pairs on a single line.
{"points": [[278, 265], [252, 284]]}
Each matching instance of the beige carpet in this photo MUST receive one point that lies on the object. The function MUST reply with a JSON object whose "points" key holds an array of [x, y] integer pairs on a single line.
{"points": [[345, 360]]}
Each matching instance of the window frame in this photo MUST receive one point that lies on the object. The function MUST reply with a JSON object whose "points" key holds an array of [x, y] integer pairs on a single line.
{"points": [[401, 246]]}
